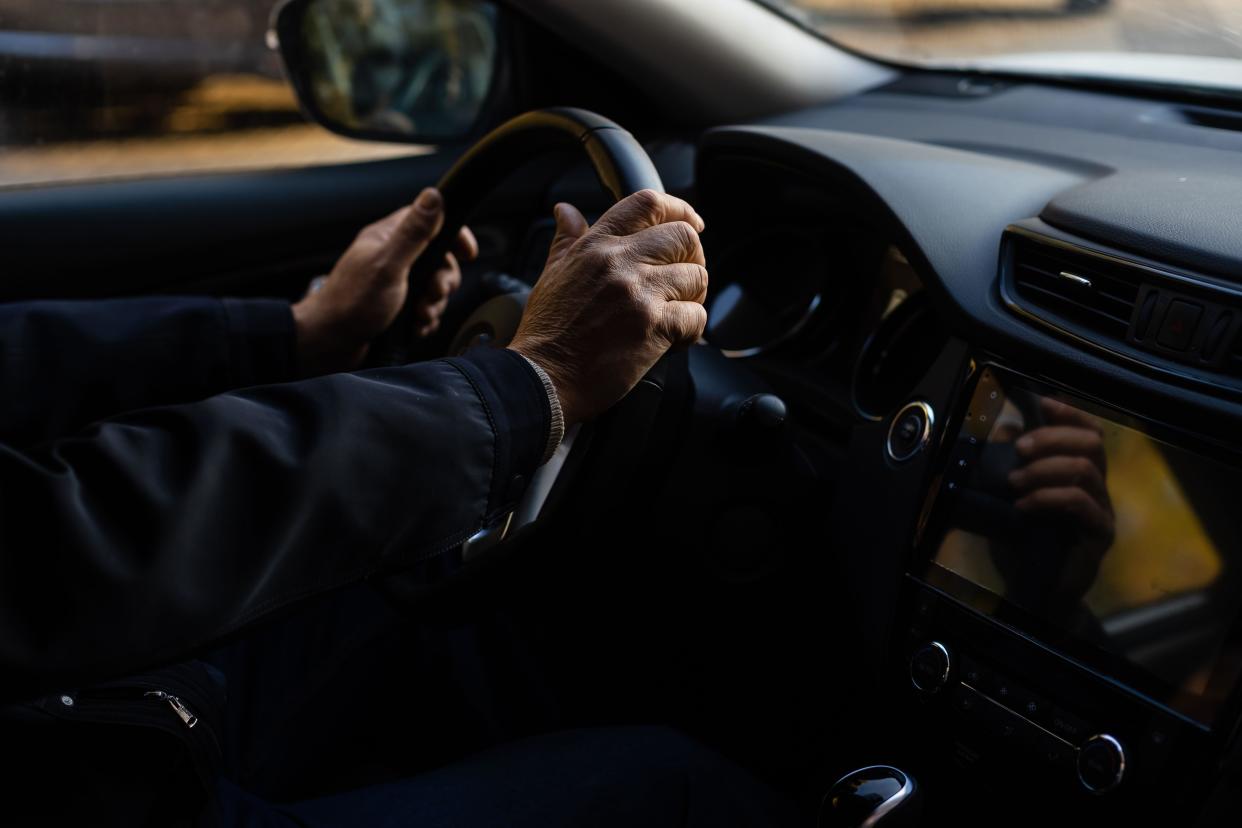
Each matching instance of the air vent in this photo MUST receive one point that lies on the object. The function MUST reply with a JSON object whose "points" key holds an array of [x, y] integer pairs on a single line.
{"points": [[1174, 322], [1087, 293]]}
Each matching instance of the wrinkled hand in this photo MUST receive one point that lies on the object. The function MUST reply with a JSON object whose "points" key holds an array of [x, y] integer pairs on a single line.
{"points": [[367, 288], [613, 298], [1064, 477]]}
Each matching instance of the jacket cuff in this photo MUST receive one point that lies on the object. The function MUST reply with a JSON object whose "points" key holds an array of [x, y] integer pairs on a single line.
{"points": [[262, 342], [521, 417]]}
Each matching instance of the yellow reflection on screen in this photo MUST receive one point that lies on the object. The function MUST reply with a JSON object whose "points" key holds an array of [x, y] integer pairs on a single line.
{"points": [[1161, 548]]}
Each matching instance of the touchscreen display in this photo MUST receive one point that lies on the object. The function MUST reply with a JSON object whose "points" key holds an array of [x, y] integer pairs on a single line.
{"points": [[1097, 538]]}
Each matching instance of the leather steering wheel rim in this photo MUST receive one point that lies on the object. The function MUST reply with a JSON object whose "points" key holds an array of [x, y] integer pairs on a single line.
{"points": [[618, 160]]}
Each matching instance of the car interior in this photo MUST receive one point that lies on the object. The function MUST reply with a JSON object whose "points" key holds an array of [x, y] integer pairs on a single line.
{"points": [[818, 540]]}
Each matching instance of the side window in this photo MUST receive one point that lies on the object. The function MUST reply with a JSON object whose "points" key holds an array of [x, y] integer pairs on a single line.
{"points": [[97, 89]]}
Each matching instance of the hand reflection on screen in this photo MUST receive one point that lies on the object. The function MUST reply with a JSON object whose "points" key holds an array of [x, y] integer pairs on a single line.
{"points": [[1062, 479]]}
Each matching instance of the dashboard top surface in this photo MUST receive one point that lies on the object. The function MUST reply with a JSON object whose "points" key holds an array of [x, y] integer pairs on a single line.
{"points": [[945, 175]]}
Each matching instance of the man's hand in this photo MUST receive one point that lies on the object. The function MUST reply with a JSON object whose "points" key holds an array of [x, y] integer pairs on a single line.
{"points": [[1065, 470], [613, 298], [1064, 478], [367, 288]]}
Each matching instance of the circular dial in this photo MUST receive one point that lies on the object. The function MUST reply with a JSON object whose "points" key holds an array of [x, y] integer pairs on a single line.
{"points": [[910, 431], [1101, 764], [930, 666]]}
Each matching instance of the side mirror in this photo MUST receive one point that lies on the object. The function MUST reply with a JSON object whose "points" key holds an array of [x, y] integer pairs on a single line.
{"points": [[419, 71]]}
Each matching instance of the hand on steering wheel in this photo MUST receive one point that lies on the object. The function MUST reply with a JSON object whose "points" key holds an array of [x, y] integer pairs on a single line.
{"points": [[614, 298], [368, 287]]}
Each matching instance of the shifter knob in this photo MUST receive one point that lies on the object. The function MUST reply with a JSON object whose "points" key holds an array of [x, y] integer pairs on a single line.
{"points": [[873, 797]]}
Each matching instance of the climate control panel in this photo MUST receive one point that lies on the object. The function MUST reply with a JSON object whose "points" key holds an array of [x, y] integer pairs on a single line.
{"points": [[1004, 701]]}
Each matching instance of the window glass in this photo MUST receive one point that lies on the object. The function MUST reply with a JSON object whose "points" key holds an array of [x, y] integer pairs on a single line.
{"points": [[1181, 42], [94, 89]]}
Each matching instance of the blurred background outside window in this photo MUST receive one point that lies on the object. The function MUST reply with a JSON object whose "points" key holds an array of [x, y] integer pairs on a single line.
{"points": [[93, 89], [967, 29]]}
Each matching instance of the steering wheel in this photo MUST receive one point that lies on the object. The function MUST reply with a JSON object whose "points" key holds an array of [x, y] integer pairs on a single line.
{"points": [[619, 161], [622, 167]]}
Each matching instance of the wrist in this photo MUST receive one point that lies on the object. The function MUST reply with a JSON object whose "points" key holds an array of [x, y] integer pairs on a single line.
{"points": [[556, 418], [550, 368], [323, 347]]}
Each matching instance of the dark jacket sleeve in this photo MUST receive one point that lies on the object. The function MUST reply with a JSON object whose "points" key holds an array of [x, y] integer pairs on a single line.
{"points": [[148, 536], [66, 364]]}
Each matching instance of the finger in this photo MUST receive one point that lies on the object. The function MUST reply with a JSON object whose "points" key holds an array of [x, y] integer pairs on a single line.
{"points": [[1068, 500], [429, 328], [445, 280], [571, 225], [417, 225], [677, 282], [669, 243], [1051, 472], [1058, 413], [682, 323], [430, 312], [646, 208], [466, 246], [1048, 441], [439, 288]]}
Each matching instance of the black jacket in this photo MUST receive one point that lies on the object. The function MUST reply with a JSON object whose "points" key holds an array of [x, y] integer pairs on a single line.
{"points": [[146, 509]]}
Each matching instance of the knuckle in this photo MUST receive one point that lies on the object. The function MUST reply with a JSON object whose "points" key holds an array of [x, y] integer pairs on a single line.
{"points": [[652, 317], [647, 200], [700, 319], [702, 281], [685, 235], [622, 291], [613, 259]]}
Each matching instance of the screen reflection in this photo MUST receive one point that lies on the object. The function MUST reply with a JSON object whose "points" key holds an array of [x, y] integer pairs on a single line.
{"points": [[1128, 544]]}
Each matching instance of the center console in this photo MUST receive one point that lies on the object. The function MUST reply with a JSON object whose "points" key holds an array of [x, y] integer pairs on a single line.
{"points": [[1072, 607]]}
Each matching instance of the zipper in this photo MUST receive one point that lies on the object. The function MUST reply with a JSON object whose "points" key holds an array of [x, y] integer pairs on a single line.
{"points": [[178, 706]]}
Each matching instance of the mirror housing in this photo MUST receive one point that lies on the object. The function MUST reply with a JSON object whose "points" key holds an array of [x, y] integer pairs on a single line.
{"points": [[414, 71]]}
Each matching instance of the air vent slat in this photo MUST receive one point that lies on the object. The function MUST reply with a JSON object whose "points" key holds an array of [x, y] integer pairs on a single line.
{"points": [[1088, 297], [1117, 283], [1114, 324], [1122, 291], [1090, 294]]}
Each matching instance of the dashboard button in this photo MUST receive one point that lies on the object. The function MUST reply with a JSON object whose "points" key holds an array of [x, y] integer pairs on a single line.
{"points": [[974, 674], [1055, 752], [910, 431], [1068, 726], [1028, 704], [930, 666], [1101, 764], [1180, 321], [967, 702], [1004, 724]]}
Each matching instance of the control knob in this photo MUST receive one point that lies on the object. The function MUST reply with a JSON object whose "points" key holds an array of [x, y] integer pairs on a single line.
{"points": [[1101, 764], [930, 666]]}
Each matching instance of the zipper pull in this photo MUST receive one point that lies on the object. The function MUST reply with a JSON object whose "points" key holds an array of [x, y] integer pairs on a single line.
{"points": [[184, 713]]}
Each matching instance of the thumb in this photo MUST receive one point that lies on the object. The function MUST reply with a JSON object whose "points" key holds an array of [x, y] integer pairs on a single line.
{"points": [[419, 224], [571, 225]]}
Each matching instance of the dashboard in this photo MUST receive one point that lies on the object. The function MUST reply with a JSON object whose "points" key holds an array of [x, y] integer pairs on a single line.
{"points": [[978, 290]]}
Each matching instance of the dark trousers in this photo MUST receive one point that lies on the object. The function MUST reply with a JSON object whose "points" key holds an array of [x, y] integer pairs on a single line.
{"points": [[345, 713]]}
